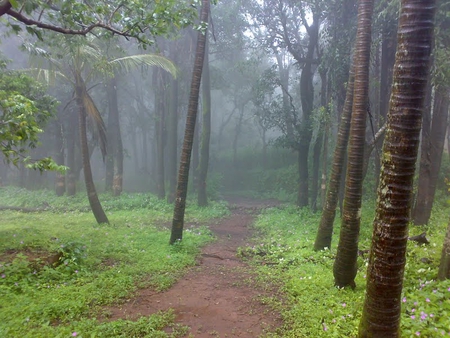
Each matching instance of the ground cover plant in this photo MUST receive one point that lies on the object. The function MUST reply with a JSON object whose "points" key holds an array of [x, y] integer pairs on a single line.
{"points": [[313, 307], [59, 269]]}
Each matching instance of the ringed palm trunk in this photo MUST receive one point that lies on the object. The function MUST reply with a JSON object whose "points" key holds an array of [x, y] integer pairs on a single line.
{"points": [[325, 230], [183, 172], [94, 202], [206, 132], [344, 269], [382, 306]]}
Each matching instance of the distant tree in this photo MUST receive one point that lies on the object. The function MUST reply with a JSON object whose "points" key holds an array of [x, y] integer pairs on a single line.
{"points": [[345, 264], [206, 130], [382, 306], [183, 173]]}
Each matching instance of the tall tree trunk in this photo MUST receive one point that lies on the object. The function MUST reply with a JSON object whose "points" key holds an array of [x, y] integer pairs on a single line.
{"points": [[183, 173], [206, 131], [172, 134], [307, 100], [430, 166], [113, 123], [325, 230], [237, 133], [94, 202], [382, 305], [118, 164], [158, 83], [344, 269]]}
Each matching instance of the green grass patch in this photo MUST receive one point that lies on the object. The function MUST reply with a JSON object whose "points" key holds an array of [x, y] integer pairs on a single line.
{"points": [[283, 254], [59, 269]]}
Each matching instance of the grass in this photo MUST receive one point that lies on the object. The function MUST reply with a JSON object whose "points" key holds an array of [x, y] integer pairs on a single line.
{"points": [[96, 265], [313, 307]]}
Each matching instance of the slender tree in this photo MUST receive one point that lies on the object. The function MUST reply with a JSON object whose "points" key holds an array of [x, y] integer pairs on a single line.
{"points": [[206, 131], [382, 306], [183, 172], [344, 269], [444, 266]]}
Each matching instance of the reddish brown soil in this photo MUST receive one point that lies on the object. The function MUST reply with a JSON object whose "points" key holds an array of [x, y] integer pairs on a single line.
{"points": [[216, 298]]}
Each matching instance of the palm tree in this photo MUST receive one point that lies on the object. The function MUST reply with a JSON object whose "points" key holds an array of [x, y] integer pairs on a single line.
{"points": [[183, 172], [382, 306], [344, 269], [82, 59]]}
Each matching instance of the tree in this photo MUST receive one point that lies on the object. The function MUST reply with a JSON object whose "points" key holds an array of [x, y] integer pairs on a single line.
{"points": [[183, 172], [206, 130], [344, 269], [136, 18], [24, 109], [382, 305], [81, 60]]}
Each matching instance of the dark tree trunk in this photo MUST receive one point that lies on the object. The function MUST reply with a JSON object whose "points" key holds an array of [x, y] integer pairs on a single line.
{"points": [[206, 132], [307, 100], [382, 306], [344, 269], [325, 230], [94, 202], [431, 157], [183, 173]]}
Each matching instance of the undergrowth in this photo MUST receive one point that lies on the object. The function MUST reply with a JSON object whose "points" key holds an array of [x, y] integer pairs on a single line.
{"points": [[313, 307], [59, 269]]}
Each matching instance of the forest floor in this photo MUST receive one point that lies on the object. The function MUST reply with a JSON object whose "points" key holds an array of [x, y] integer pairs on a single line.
{"points": [[219, 297]]}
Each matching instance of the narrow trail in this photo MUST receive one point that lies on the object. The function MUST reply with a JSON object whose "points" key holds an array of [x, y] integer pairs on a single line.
{"points": [[215, 298]]}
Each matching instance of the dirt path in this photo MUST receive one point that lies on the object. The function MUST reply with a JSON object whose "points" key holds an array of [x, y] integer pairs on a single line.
{"points": [[216, 298]]}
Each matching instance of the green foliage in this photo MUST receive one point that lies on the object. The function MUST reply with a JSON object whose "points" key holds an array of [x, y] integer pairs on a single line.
{"points": [[47, 258], [24, 109], [283, 254]]}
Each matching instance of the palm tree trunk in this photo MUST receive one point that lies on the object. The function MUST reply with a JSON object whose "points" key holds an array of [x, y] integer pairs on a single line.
{"points": [[94, 202], [113, 121], [325, 230], [382, 306], [183, 173], [344, 269], [206, 132]]}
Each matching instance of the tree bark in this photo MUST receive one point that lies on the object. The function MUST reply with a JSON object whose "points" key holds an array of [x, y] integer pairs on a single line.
{"points": [[344, 269], [202, 199], [432, 153], [444, 266], [113, 122], [94, 202], [325, 230], [382, 305], [183, 173]]}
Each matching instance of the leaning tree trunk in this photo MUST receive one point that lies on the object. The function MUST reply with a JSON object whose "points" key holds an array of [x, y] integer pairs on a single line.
{"points": [[183, 173], [206, 132], [344, 269], [382, 306], [428, 177], [94, 202], [325, 230]]}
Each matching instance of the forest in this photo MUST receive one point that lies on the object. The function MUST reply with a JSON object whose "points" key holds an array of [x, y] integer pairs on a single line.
{"points": [[224, 168]]}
